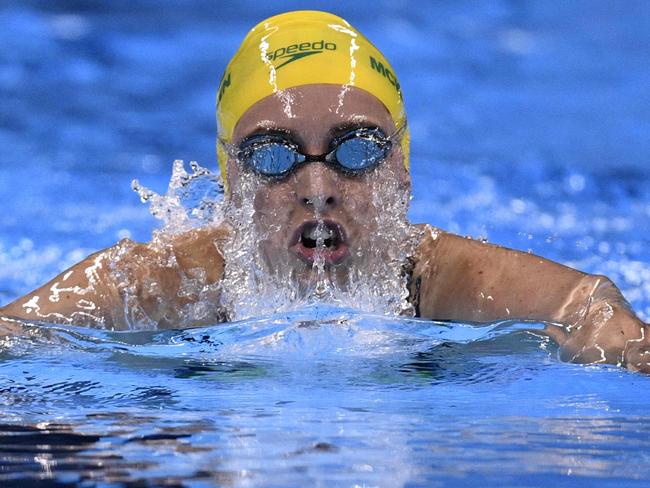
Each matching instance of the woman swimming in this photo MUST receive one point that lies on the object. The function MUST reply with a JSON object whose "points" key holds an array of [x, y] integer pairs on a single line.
{"points": [[313, 149]]}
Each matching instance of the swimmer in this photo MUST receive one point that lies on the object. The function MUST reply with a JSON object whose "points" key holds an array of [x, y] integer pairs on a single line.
{"points": [[312, 133]]}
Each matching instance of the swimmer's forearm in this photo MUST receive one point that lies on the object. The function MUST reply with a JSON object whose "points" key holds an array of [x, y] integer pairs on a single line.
{"points": [[132, 284], [462, 279], [81, 295]]}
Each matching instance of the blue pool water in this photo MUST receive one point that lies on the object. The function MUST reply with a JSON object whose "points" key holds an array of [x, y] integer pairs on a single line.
{"points": [[530, 128]]}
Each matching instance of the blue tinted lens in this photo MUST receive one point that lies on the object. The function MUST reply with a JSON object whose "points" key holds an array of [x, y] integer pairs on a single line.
{"points": [[361, 152], [271, 158]]}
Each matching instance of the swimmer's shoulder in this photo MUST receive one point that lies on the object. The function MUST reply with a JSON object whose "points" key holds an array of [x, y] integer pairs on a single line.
{"points": [[428, 238], [437, 247], [428, 231], [202, 249], [433, 238]]}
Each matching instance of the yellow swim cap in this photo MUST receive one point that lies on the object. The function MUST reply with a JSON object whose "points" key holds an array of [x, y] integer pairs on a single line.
{"points": [[301, 48]]}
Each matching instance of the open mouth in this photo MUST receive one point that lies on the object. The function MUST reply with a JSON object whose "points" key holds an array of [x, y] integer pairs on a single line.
{"points": [[325, 239]]}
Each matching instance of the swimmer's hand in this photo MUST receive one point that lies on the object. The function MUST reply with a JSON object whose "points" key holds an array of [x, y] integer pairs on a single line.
{"points": [[9, 327], [608, 332]]}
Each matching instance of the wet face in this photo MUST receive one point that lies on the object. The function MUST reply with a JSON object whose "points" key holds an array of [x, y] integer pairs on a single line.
{"points": [[316, 213]]}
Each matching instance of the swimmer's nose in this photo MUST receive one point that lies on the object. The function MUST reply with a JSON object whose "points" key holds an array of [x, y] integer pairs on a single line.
{"points": [[316, 187]]}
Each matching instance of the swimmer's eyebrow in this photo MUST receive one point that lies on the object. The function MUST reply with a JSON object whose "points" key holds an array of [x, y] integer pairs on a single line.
{"points": [[270, 131], [350, 125], [265, 128]]}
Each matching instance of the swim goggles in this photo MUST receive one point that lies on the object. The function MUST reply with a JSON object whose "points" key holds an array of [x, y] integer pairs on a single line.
{"points": [[352, 152]]}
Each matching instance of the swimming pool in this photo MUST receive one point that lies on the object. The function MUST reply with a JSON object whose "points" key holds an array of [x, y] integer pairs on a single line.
{"points": [[529, 128]]}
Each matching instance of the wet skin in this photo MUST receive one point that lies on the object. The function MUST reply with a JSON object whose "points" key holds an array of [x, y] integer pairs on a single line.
{"points": [[285, 209], [453, 278]]}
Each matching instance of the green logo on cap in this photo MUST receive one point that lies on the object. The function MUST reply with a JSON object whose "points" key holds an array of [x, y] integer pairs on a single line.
{"points": [[290, 58], [386, 73], [294, 52], [225, 83]]}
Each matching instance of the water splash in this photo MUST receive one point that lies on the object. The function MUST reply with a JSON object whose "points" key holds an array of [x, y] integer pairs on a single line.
{"points": [[373, 281], [257, 283], [192, 200]]}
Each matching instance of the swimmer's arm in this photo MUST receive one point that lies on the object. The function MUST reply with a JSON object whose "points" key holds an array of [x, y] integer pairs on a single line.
{"points": [[81, 295], [147, 285], [462, 279]]}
